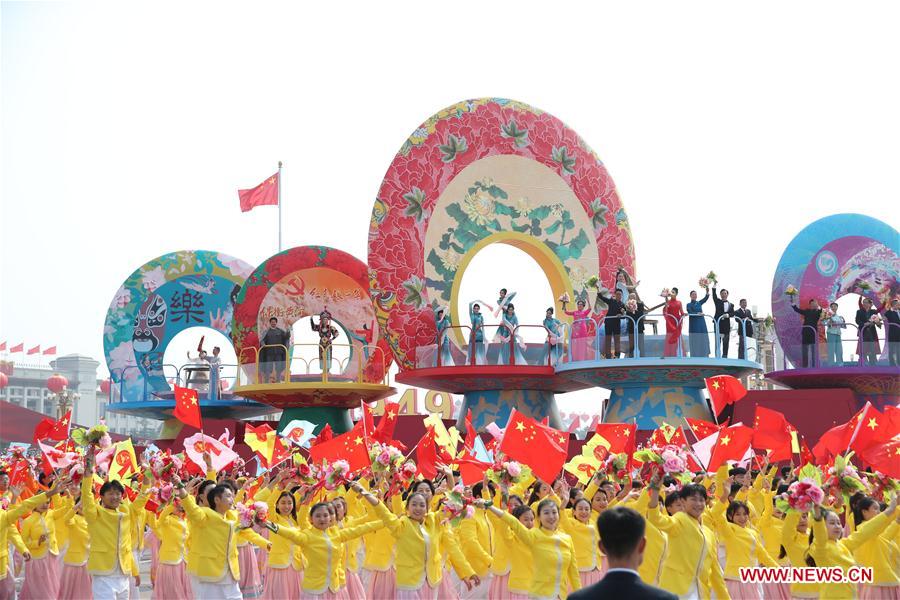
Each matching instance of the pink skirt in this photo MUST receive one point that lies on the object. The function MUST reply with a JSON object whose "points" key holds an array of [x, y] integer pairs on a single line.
{"points": [[152, 542], [515, 596], [499, 589], [75, 583], [326, 595], [41, 578], [426, 592], [251, 582], [879, 592], [281, 583], [590, 577], [383, 584], [8, 587], [777, 591], [172, 583], [744, 591], [354, 587], [445, 589]]}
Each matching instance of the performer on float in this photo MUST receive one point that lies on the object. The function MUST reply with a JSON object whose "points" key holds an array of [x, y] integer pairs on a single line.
{"points": [[673, 314], [442, 323], [829, 548], [273, 351], [9, 535], [612, 324], [809, 335], [364, 337], [554, 344], [110, 523], [580, 332], [554, 568], [507, 335], [476, 338], [868, 346], [625, 283], [698, 335], [503, 301], [327, 334], [320, 544]]}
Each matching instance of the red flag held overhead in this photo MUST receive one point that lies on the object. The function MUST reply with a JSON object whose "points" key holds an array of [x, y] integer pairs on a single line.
{"points": [[724, 390], [187, 407]]}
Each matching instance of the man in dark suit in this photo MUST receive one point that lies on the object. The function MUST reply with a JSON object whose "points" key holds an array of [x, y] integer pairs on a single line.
{"points": [[612, 324], [724, 313], [892, 317], [745, 325], [868, 333], [622, 541]]}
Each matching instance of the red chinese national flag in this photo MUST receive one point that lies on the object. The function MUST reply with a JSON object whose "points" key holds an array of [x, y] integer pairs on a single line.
{"points": [[772, 432], [884, 457], [187, 407], [18, 347], [541, 447], [667, 434], [52, 429], [732, 444], [50, 351], [2, 346], [61, 429], [384, 432], [350, 446], [34, 350], [620, 436], [702, 429], [264, 194], [724, 390], [873, 428], [324, 435], [426, 455]]}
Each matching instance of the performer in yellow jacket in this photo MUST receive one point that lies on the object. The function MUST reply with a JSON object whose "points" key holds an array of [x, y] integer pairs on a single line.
{"points": [[42, 572], [110, 561], [795, 542], [691, 567], [170, 527], [880, 553], [554, 568], [829, 549], [8, 532], [75, 582], [419, 539]]}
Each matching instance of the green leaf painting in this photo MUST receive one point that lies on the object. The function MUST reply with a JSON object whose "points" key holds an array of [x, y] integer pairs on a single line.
{"points": [[453, 148], [561, 155], [415, 292], [511, 131], [414, 201]]}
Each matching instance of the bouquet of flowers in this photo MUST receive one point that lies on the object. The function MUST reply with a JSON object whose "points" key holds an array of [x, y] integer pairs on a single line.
{"points": [[336, 474], [674, 460], [385, 459], [791, 291], [258, 512], [457, 506], [76, 471], [828, 312], [844, 476], [704, 282], [592, 281], [804, 494], [875, 319], [504, 472], [305, 474], [665, 293], [883, 486], [616, 466], [652, 463], [564, 299], [406, 474], [165, 466], [98, 435], [631, 305], [164, 492], [711, 276]]}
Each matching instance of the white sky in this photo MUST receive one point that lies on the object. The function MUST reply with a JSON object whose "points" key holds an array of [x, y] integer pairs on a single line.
{"points": [[126, 130]]}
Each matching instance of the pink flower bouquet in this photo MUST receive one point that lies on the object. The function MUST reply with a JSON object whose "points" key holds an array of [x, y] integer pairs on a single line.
{"points": [[804, 494], [505, 472]]}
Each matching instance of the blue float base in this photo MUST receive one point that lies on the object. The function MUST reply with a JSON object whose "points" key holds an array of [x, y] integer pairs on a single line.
{"points": [[650, 405], [489, 406]]}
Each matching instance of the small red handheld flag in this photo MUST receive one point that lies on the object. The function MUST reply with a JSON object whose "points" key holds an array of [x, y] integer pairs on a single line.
{"points": [[724, 390], [187, 407], [264, 194], [732, 444], [541, 447]]}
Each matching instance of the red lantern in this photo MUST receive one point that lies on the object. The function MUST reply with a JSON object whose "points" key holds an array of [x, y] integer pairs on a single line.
{"points": [[4, 380], [104, 387], [57, 383]]}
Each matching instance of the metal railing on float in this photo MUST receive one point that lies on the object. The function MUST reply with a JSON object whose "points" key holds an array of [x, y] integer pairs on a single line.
{"points": [[511, 349], [864, 347], [287, 365], [209, 385]]}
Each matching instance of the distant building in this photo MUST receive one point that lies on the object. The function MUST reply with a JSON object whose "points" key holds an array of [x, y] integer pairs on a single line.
{"points": [[27, 388]]}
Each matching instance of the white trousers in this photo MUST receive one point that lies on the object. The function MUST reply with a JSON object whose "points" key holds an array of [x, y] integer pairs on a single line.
{"points": [[110, 587], [226, 589]]}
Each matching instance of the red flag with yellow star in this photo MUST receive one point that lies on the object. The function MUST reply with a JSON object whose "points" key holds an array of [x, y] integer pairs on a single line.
{"points": [[873, 428], [667, 434], [724, 390], [541, 447], [620, 437], [350, 446], [732, 444], [884, 457], [264, 194], [384, 432], [702, 429], [187, 407]]}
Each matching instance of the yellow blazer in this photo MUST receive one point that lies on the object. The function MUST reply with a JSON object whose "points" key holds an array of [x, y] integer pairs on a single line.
{"points": [[585, 538], [109, 531], [553, 568], [37, 525], [379, 545], [504, 538], [796, 545], [79, 540], [8, 531], [217, 553], [172, 533], [418, 549], [323, 552], [481, 560], [61, 505], [657, 542], [830, 553], [882, 554], [691, 555], [743, 545]]}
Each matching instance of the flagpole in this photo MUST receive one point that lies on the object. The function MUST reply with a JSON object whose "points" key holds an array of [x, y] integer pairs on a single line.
{"points": [[279, 206]]}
